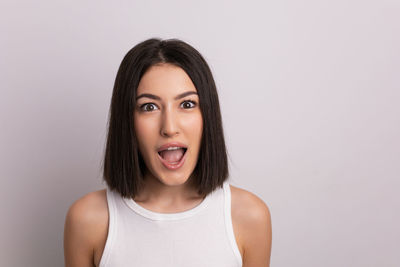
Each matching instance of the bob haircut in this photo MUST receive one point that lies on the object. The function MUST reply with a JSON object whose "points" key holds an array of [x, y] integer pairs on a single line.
{"points": [[123, 166]]}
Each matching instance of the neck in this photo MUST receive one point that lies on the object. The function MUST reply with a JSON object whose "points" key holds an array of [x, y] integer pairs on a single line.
{"points": [[156, 192]]}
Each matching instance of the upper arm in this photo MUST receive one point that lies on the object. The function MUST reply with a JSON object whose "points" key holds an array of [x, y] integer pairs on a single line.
{"points": [[256, 232], [81, 226]]}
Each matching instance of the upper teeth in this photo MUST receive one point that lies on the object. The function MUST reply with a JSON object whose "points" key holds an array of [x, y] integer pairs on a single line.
{"points": [[173, 148]]}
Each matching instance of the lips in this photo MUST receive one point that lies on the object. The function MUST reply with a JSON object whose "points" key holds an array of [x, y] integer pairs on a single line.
{"points": [[172, 144], [167, 162], [173, 165]]}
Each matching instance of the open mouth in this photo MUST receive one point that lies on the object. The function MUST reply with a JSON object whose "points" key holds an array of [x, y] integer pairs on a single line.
{"points": [[173, 155]]}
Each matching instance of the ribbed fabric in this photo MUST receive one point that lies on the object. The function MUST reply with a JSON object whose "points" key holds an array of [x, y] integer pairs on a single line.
{"points": [[202, 236]]}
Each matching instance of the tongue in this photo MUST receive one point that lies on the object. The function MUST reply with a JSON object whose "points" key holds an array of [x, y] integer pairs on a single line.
{"points": [[172, 155]]}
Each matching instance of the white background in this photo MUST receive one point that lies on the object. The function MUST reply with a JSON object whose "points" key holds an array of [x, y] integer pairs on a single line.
{"points": [[309, 93]]}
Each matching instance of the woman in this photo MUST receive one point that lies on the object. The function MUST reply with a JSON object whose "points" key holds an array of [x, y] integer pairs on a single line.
{"points": [[167, 201]]}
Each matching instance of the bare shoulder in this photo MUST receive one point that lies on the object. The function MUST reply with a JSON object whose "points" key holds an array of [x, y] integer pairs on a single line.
{"points": [[85, 230], [248, 202], [252, 225]]}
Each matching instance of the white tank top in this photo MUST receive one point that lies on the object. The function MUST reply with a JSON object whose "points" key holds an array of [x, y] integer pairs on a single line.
{"points": [[201, 236]]}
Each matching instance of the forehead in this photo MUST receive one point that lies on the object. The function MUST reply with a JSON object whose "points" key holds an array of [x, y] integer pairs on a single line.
{"points": [[165, 80]]}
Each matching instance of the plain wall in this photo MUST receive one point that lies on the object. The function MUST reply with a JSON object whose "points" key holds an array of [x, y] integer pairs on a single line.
{"points": [[309, 93]]}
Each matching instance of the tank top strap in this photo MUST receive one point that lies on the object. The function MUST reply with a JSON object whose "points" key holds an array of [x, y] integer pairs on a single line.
{"points": [[228, 221], [112, 198]]}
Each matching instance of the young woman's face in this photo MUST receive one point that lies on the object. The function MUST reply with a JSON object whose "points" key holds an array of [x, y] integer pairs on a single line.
{"points": [[167, 111]]}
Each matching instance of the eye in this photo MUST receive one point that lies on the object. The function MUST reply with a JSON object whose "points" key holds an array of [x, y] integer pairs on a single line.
{"points": [[188, 104], [148, 107]]}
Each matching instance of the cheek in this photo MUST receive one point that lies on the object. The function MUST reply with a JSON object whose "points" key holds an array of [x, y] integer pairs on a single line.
{"points": [[144, 125], [145, 131], [194, 125]]}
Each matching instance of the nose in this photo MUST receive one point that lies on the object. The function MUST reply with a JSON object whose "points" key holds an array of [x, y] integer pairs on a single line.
{"points": [[169, 125]]}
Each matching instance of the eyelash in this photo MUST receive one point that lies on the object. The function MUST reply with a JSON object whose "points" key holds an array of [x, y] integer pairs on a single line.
{"points": [[185, 101]]}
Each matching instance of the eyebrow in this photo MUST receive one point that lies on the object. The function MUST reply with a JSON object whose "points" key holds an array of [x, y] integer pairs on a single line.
{"points": [[158, 98]]}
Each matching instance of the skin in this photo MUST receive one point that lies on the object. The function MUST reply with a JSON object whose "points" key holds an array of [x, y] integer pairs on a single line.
{"points": [[166, 191]]}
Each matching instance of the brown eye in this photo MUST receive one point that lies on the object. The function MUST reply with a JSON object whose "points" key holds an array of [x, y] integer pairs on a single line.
{"points": [[147, 107], [188, 104]]}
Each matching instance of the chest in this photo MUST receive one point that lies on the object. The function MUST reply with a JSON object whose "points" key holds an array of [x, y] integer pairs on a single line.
{"points": [[201, 239]]}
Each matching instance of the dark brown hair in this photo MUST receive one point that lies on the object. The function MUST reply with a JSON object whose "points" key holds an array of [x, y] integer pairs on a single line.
{"points": [[123, 166]]}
